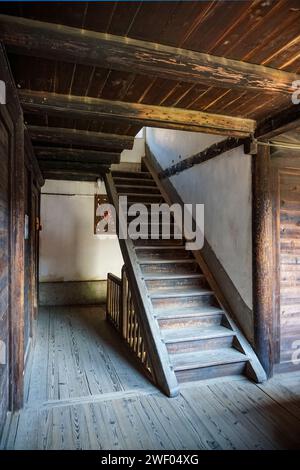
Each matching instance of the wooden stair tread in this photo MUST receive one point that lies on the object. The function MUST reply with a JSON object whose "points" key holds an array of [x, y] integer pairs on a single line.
{"points": [[207, 358], [192, 334], [175, 276], [124, 179], [131, 174], [187, 312], [158, 196], [161, 248], [180, 292], [133, 186], [166, 261], [191, 331]]}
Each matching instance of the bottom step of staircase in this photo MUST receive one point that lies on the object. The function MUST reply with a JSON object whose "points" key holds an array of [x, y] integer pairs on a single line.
{"points": [[208, 364]]}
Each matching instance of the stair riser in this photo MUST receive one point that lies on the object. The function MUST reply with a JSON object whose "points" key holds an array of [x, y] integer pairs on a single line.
{"points": [[163, 254], [157, 231], [169, 238], [143, 198], [143, 189], [131, 175], [183, 302], [199, 345], [148, 221], [160, 285], [155, 243], [149, 210], [178, 268], [190, 322], [134, 182], [204, 373]]}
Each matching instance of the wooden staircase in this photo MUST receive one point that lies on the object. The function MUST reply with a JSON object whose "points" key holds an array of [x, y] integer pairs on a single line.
{"points": [[195, 335]]}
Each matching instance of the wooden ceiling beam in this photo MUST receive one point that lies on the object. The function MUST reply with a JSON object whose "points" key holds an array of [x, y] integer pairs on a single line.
{"points": [[70, 44], [70, 175], [75, 155], [284, 121], [57, 135], [78, 167], [77, 107]]}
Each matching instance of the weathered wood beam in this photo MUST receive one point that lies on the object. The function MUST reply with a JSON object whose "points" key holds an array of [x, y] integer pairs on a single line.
{"points": [[122, 53], [29, 153], [57, 135], [201, 157], [141, 114], [69, 175], [263, 275], [284, 121], [78, 167], [76, 155]]}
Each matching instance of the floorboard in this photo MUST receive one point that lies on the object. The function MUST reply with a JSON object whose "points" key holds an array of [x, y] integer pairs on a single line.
{"points": [[84, 391]]}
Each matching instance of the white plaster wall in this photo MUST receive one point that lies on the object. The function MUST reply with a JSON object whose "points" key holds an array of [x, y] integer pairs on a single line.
{"points": [[223, 185], [69, 250], [137, 152]]}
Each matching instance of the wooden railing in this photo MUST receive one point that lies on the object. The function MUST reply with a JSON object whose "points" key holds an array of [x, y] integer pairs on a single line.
{"points": [[162, 372], [114, 300], [121, 312]]}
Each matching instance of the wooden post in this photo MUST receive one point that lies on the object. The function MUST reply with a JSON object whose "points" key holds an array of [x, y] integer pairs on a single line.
{"points": [[17, 269], [262, 258]]}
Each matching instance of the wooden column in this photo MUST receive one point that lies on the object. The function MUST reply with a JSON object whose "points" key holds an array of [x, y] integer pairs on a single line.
{"points": [[262, 258], [17, 269]]}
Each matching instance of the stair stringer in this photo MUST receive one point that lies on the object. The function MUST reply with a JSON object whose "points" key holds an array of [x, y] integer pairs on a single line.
{"points": [[162, 368], [254, 369]]}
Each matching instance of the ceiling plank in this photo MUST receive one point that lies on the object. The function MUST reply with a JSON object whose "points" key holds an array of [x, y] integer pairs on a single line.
{"points": [[77, 107], [58, 135], [85, 47], [75, 155]]}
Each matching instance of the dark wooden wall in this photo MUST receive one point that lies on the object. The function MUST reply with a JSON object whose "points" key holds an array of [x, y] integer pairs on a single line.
{"points": [[19, 180], [5, 129], [11, 244], [286, 184]]}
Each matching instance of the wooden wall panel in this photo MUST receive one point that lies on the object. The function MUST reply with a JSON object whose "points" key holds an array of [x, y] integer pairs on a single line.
{"points": [[4, 260], [12, 244], [289, 187], [286, 230]]}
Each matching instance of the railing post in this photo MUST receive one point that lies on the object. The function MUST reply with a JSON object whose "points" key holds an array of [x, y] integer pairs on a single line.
{"points": [[124, 291]]}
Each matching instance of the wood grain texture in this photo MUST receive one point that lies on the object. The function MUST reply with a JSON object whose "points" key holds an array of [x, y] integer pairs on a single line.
{"points": [[96, 399], [12, 237], [115, 52], [4, 260], [263, 280], [286, 221], [153, 116], [75, 167], [75, 155], [54, 135], [280, 123], [229, 30]]}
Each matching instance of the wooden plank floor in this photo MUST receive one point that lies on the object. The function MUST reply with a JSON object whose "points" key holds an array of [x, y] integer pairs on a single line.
{"points": [[84, 392]]}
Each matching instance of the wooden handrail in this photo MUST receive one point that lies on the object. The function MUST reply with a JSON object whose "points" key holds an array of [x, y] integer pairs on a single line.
{"points": [[114, 300], [120, 311], [164, 375]]}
